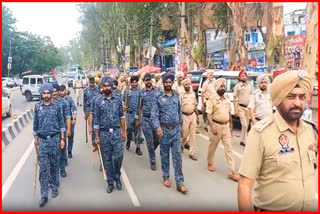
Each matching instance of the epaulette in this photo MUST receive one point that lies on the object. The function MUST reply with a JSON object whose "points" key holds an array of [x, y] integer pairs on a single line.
{"points": [[314, 126], [262, 124]]}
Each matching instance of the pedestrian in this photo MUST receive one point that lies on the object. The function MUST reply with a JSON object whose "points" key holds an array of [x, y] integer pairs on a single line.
{"points": [[148, 96], [67, 121], [131, 98], [49, 139], [177, 86], [241, 97], [109, 125], [280, 157], [78, 86], [207, 91], [260, 105], [190, 118], [73, 113], [88, 95], [219, 119], [167, 119]]}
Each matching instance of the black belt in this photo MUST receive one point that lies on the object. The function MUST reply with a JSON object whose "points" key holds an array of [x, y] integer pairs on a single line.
{"points": [[146, 115], [257, 209], [130, 112], [169, 126], [109, 129], [188, 114], [243, 105], [221, 123], [48, 136], [257, 119]]}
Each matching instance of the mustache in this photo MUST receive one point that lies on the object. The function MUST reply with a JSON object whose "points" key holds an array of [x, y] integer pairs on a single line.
{"points": [[295, 108]]}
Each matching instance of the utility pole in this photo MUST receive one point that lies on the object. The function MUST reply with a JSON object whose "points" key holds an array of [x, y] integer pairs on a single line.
{"points": [[150, 45], [182, 33], [9, 59]]}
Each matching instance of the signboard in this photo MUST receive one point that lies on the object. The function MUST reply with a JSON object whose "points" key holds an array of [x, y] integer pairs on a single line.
{"points": [[127, 58], [9, 66], [294, 51], [9, 59]]}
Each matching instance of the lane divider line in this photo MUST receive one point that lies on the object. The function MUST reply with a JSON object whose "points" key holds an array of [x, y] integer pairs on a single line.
{"points": [[127, 183], [12, 177]]}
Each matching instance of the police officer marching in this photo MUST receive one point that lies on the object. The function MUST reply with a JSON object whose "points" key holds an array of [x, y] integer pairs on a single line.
{"points": [[109, 125], [260, 105], [280, 155], [167, 119], [148, 97], [49, 139], [219, 119], [88, 95]]}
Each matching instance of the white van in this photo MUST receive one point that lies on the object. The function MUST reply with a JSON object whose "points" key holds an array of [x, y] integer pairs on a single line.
{"points": [[232, 78]]}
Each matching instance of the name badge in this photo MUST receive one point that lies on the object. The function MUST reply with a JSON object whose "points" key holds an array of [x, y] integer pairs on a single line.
{"points": [[284, 142]]}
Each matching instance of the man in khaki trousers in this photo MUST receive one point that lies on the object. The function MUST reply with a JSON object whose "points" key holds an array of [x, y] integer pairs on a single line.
{"points": [[190, 118], [219, 118], [241, 97]]}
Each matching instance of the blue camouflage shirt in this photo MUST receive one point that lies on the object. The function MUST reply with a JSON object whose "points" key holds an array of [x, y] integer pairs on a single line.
{"points": [[148, 98], [88, 95], [107, 112], [166, 110], [65, 108], [72, 106], [48, 120], [133, 101]]}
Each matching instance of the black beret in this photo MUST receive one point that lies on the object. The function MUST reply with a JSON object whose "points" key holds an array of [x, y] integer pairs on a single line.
{"points": [[134, 78], [147, 77]]}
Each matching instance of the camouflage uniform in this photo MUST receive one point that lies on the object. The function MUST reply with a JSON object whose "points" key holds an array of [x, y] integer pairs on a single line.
{"points": [[88, 97], [117, 93], [133, 97], [167, 115], [108, 113], [148, 98], [73, 111], [48, 125]]}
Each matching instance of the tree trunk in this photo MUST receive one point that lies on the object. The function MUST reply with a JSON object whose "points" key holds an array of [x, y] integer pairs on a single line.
{"points": [[310, 51]]}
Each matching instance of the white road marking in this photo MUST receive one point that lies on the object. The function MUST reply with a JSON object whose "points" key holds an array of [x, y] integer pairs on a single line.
{"points": [[127, 183], [12, 177], [239, 155]]}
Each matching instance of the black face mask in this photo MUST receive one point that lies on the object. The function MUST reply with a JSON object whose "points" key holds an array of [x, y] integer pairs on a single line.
{"points": [[221, 92]]}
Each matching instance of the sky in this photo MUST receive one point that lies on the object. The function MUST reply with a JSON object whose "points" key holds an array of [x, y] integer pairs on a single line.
{"points": [[59, 21]]}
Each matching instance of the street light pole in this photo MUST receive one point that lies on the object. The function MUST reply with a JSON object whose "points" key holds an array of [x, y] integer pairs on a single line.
{"points": [[150, 45], [9, 59]]}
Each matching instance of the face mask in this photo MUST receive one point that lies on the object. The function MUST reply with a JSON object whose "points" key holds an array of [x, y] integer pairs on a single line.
{"points": [[221, 92]]}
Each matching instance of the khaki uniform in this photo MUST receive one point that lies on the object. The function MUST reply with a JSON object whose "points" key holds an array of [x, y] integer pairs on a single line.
{"points": [[79, 91], [220, 108], [285, 181], [261, 104], [208, 90], [178, 88], [242, 93], [188, 103]]}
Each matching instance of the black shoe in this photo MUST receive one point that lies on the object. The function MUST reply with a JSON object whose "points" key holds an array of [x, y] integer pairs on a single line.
{"points": [[110, 188], [242, 144], [69, 155], [187, 146], [55, 194], [128, 145], [63, 173], [141, 140], [153, 166], [138, 151], [43, 201], [119, 184]]}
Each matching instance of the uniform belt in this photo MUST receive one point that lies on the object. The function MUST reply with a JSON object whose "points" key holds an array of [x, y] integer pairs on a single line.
{"points": [[188, 114], [147, 115], [245, 106], [257, 209], [221, 123], [130, 112], [48, 136], [110, 129], [169, 126], [257, 119]]}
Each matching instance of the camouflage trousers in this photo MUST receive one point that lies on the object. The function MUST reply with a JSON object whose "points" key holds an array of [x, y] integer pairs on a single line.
{"points": [[112, 153], [171, 139], [132, 129], [151, 138]]}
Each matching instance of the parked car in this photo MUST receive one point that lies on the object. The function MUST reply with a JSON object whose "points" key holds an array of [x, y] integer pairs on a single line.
{"points": [[8, 82], [6, 91], [32, 83], [195, 79], [71, 78], [6, 105]]}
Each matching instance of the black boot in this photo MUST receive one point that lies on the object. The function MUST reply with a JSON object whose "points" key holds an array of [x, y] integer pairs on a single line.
{"points": [[63, 173], [55, 194], [138, 151], [128, 145], [153, 166], [110, 188], [119, 184], [43, 201]]}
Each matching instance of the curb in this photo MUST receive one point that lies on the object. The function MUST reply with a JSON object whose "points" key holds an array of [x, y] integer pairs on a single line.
{"points": [[14, 129]]}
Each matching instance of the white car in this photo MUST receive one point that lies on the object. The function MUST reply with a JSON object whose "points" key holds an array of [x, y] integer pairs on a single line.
{"points": [[7, 92], [8, 82], [6, 105]]}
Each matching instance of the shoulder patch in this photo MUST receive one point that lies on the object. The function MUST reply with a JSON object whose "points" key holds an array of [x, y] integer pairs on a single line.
{"points": [[262, 124]]}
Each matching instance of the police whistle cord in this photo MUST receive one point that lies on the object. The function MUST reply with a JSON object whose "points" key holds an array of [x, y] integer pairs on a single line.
{"points": [[101, 161]]}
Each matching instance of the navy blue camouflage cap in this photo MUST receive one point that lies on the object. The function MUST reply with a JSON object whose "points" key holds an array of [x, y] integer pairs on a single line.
{"points": [[46, 87], [147, 77], [166, 77]]}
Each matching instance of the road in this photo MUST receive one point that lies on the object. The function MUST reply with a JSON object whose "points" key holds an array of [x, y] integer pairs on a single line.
{"points": [[85, 190]]}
